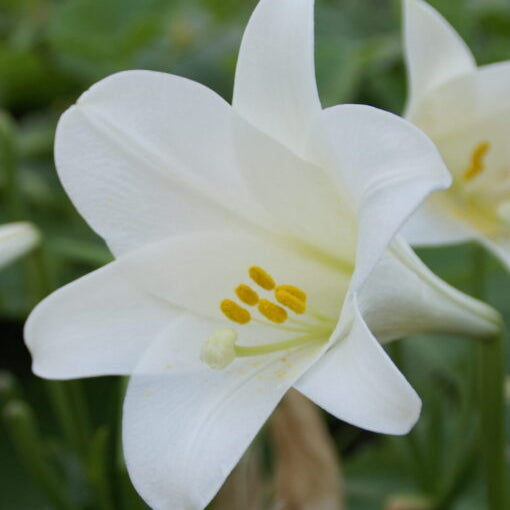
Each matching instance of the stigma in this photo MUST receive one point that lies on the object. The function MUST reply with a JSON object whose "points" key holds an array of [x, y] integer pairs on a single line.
{"points": [[221, 349], [218, 351]]}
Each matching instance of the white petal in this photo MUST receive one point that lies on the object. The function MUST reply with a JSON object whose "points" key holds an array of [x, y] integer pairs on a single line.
{"points": [[275, 87], [402, 297], [388, 166], [98, 325], [300, 197], [433, 224], [186, 425], [198, 271], [435, 53], [145, 155], [357, 382], [469, 103], [15, 240]]}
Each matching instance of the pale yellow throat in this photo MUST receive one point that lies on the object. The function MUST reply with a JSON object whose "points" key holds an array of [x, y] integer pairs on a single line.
{"points": [[278, 309]]}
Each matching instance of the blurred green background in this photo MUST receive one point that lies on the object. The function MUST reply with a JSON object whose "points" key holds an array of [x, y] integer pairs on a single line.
{"points": [[50, 52]]}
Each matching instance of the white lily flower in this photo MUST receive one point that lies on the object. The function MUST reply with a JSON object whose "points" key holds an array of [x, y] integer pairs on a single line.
{"points": [[16, 239], [464, 110], [254, 253]]}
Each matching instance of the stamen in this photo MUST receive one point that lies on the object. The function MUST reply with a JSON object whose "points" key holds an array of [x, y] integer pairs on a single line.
{"points": [[220, 349], [295, 291], [290, 300], [477, 164], [262, 278], [234, 312], [272, 311], [247, 295]]}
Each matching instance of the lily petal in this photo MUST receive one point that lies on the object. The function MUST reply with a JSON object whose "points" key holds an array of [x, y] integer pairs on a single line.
{"points": [[435, 53], [433, 224], [145, 155], [15, 240], [403, 297], [275, 88], [299, 196], [388, 165], [98, 325], [357, 382], [186, 425], [467, 103]]}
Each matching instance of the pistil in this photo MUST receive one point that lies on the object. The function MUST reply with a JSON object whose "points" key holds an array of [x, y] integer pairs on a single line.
{"points": [[257, 350], [221, 349]]}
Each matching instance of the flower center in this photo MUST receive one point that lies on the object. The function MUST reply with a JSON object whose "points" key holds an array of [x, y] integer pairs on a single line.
{"points": [[220, 349], [480, 195]]}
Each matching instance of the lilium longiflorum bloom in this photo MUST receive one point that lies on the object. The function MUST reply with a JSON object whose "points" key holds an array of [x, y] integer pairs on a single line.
{"points": [[255, 251], [16, 239], [465, 111]]}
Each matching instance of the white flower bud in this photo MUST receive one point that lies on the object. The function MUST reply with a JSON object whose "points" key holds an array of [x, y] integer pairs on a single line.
{"points": [[218, 350]]}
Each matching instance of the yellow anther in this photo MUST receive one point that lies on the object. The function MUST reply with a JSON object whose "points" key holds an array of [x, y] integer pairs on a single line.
{"points": [[290, 301], [477, 164], [262, 278], [272, 311], [234, 312], [247, 295], [295, 291]]}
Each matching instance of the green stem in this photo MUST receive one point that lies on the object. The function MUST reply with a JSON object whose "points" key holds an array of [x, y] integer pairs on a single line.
{"points": [[80, 413], [62, 408], [491, 400], [491, 370], [97, 470]]}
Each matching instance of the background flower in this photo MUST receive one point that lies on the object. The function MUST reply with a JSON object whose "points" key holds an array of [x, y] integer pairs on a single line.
{"points": [[464, 110]]}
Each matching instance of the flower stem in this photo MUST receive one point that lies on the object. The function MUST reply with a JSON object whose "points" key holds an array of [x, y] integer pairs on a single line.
{"points": [[491, 402], [97, 469], [491, 370]]}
